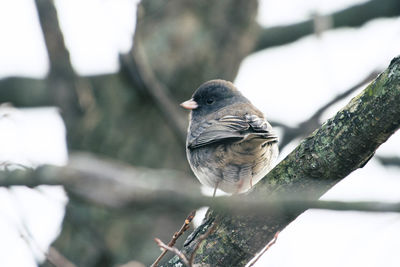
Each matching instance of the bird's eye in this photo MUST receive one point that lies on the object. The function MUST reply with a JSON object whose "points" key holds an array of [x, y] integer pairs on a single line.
{"points": [[209, 101]]}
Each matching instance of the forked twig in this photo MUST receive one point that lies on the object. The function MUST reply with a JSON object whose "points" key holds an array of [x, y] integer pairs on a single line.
{"points": [[166, 248], [177, 252], [175, 237]]}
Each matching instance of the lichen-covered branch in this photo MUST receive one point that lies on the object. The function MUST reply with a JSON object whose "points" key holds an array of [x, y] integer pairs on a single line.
{"points": [[342, 144]]}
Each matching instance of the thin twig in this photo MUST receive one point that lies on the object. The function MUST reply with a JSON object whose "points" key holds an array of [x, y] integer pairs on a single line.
{"points": [[200, 240], [57, 259], [270, 244], [175, 237], [165, 248], [308, 125], [346, 93]]}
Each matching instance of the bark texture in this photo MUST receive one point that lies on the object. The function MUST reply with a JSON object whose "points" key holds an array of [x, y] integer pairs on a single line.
{"points": [[343, 144]]}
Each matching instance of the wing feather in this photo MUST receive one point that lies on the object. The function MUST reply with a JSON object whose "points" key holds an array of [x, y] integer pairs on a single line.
{"points": [[231, 128]]}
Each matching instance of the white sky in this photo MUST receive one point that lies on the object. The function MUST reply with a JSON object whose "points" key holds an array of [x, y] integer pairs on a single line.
{"points": [[319, 68], [97, 30], [96, 42], [22, 50]]}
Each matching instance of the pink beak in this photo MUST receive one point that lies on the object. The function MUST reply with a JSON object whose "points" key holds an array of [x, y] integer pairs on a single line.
{"points": [[190, 104]]}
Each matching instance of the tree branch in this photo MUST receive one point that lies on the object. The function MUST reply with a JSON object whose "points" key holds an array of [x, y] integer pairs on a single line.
{"points": [[62, 83], [57, 259], [109, 183], [175, 237], [354, 16], [115, 185], [270, 244], [343, 144], [306, 127], [143, 78], [200, 241], [174, 250], [388, 161], [53, 37]]}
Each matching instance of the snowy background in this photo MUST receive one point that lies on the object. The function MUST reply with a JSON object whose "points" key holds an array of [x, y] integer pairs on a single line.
{"points": [[320, 67]]}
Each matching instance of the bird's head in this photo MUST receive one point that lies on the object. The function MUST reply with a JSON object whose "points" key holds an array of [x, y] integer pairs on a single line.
{"points": [[212, 96]]}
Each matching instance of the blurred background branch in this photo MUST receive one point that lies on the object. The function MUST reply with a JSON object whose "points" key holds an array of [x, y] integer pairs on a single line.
{"points": [[143, 78], [354, 16], [61, 81], [306, 127], [103, 183], [113, 184]]}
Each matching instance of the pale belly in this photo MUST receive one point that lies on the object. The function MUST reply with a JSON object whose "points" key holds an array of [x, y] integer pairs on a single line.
{"points": [[233, 168]]}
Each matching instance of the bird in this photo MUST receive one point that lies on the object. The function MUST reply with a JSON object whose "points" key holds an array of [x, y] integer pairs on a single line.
{"points": [[230, 145]]}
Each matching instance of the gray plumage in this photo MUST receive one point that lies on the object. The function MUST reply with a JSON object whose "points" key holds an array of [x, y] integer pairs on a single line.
{"points": [[230, 145]]}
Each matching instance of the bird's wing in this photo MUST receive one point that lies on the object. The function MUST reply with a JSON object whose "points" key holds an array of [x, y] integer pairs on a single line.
{"points": [[231, 128]]}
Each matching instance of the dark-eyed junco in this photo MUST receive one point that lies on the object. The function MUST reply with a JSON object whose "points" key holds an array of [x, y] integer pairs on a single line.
{"points": [[230, 145]]}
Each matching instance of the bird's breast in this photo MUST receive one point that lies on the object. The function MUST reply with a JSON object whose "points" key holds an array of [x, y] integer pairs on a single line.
{"points": [[235, 166]]}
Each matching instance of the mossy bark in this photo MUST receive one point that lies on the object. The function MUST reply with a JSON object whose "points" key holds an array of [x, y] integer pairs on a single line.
{"points": [[341, 145]]}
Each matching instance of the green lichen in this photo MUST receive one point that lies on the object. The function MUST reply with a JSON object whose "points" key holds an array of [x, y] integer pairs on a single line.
{"points": [[174, 261], [377, 87]]}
